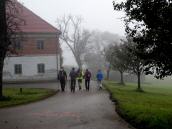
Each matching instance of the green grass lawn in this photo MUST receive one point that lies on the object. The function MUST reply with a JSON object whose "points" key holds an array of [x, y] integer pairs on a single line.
{"points": [[151, 109], [14, 97]]}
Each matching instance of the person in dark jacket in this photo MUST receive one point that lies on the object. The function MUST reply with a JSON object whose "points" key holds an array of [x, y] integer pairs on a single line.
{"points": [[73, 76], [62, 77], [87, 77]]}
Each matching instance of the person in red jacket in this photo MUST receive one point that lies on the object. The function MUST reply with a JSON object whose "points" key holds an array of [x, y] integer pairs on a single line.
{"points": [[87, 77]]}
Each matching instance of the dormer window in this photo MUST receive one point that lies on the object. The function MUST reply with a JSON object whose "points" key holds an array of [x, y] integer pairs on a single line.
{"points": [[17, 45], [40, 44]]}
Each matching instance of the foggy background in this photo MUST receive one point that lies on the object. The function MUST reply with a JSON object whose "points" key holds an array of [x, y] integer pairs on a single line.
{"points": [[97, 14]]}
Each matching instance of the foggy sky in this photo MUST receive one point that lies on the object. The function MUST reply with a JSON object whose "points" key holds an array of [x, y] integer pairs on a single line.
{"points": [[97, 15]]}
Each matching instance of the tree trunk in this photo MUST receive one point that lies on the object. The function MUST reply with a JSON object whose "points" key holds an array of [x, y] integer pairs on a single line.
{"points": [[1, 73], [122, 79], [108, 73], [1, 76], [79, 62], [139, 84], [138, 77], [3, 40], [77, 59]]}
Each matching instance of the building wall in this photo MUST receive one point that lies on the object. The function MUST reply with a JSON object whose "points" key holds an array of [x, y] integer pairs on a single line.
{"points": [[29, 44], [29, 56], [29, 67]]}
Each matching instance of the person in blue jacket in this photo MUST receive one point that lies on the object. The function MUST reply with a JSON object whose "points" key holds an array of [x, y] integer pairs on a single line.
{"points": [[99, 77]]}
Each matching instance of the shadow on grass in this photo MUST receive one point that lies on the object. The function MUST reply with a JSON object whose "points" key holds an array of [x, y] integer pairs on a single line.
{"points": [[5, 98], [25, 98], [117, 83], [140, 90], [28, 93]]}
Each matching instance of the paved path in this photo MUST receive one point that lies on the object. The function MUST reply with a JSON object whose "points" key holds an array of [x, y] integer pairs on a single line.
{"points": [[81, 110]]}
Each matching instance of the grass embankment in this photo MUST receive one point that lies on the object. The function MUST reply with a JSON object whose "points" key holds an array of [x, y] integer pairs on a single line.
{"points": [[13, 96], [151, 109]]}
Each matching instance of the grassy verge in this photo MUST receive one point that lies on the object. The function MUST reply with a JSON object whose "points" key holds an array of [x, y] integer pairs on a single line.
{"points": [[151, 109], [28, 95]]}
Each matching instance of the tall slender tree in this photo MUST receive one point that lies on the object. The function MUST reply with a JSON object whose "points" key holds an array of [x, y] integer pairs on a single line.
{"points": [[10, 21], [3, 40]]}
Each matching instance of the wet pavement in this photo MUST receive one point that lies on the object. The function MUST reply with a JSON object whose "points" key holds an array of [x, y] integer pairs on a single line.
{"points": [[79, 110]]}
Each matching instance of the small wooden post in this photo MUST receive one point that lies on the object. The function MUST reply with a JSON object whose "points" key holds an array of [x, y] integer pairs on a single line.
{"points": [[21, 90]]}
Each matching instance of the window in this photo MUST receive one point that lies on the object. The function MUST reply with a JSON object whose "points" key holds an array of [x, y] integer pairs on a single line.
{"points": [[41, 68], [17, 45], [40, 44], [18, 69]]}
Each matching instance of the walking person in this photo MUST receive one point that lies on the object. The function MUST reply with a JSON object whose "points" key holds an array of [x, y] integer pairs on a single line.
{"points": [[62, 77], [99, 77], [73, 79], [80, 76], [87, 77]]}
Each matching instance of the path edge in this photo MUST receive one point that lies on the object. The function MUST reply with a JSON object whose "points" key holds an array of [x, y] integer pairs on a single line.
{"points": [[54, 92], [118, 110]]}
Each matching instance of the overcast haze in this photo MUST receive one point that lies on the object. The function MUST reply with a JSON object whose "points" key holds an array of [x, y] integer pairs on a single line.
{"points": [[97, 14]]}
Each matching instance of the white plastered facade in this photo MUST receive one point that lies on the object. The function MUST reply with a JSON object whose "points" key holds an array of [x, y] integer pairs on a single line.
{"points": [[30, 68]]}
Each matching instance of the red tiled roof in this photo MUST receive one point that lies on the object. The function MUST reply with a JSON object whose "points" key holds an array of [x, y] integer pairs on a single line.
{"points": [[34, 23]]}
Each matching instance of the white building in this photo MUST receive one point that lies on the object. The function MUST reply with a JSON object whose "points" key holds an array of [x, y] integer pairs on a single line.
{"points": [[37, 54]]}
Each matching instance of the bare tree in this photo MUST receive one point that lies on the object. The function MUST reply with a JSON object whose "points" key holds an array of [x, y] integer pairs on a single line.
{"points": [[10, 22], [74, 36]]}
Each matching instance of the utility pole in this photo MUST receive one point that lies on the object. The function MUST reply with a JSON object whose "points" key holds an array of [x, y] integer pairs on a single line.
{"points": [[58, 54]]}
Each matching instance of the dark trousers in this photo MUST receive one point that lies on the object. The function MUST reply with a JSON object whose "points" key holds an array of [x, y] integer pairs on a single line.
{"points": [[87, 84], [63, 83], [72, 86]]}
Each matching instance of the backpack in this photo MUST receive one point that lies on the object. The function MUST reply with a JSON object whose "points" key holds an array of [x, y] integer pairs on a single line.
{"points": [[62, 75], [88, 75], [73, 75]]}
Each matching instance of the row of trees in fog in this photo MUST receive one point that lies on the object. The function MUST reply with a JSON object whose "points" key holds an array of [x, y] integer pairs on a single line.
{"points": [[146, 48], [88, 47], [123, 58], [100, 50], [85, 45]]}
